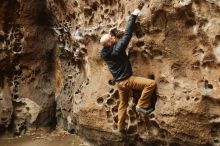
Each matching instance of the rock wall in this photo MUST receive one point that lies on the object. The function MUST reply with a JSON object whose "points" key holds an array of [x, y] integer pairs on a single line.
{"points": [[52, 74], [27, 47]]}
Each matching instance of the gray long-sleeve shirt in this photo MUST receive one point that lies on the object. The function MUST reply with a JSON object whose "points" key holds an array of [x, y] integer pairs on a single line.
{"points": [[115, 55]]}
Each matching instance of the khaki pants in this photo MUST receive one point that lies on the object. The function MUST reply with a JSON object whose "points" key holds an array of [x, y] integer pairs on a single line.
{"points": [[146, 85]]}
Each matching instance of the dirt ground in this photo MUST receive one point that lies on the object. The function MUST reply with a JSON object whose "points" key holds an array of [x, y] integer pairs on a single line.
{"points": [[42, 138]]}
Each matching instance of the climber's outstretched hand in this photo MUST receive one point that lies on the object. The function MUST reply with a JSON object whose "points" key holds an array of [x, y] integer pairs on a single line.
{"points": [[138, 10]]}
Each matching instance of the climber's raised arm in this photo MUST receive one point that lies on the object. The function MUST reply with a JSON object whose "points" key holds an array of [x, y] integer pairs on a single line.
{"points": [[120, 45], [123, 42]]}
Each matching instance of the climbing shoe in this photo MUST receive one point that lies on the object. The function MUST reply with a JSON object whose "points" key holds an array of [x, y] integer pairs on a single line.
{"points": [[145, 111]]}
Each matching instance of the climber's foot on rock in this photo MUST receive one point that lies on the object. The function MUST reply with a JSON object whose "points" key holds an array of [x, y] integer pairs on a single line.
{"points": [[145, 111]]}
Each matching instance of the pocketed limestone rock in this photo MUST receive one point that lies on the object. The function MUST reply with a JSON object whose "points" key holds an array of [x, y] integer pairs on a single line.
{"points": [[50, 55]]}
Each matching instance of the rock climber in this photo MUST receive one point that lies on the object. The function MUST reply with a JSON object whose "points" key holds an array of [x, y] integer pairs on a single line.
{"points": [[114, 54]]}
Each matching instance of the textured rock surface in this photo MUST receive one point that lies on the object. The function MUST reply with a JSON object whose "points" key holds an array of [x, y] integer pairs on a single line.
{"points": [[49, 59], [27, 47]]}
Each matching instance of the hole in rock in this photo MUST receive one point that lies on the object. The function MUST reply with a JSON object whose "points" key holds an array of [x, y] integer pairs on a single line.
{"points": [[157, 53], [132, 129], [130, 112], [111, 91], [129, 12], [138, 31], [196, 99], [163, 80], [154, 124], [75, 4], [210, 86], [151, 76], [115, 118], [28, 108], [152, 116], [15, 77], [100, 100], [163, 135], [15, 96], [195, 65], [209, 60], [216, 141], [71, 130], [115, 109], [207, 85], [140, 43], [108, 20], [106, 11], [95, 6], [190, 22], [154, 98], [18, 72], [1, 38], [90, 20], [87, 11], [4, 119], [32, 79], [19, 35], [10, 84], [16, 83], [176, 66], [163, 123], [116, 95], [159, 19], [16, 46], [132, 119], [187, 98], [217, 38], [77, 92], [74, 16], [110, 102], [198, 50], [190, 14]]}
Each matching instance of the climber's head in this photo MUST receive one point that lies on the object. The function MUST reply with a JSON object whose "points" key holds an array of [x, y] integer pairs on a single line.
{"points": [[108, 40]]}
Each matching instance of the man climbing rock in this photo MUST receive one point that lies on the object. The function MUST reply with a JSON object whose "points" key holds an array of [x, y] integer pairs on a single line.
{"points": [[115, 56]]}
